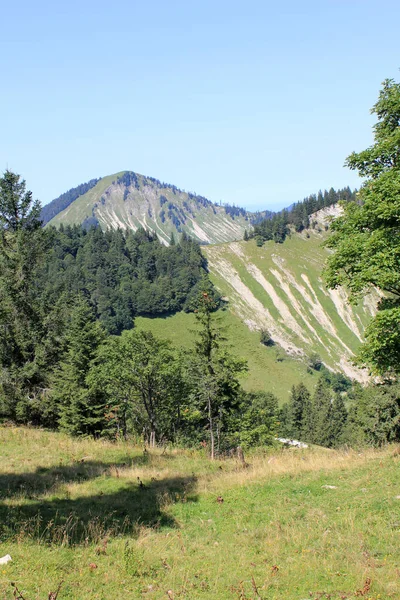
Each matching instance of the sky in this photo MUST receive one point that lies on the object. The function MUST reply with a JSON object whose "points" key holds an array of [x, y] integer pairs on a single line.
{"points": [[255, 103]]}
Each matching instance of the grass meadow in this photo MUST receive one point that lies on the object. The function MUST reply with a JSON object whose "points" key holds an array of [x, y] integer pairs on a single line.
{"points": [[269, 368], [114, 521]]}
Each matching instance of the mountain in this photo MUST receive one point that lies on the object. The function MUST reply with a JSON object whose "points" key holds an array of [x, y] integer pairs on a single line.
{"points": [[130, 200], [276, 287], [279, 288]]}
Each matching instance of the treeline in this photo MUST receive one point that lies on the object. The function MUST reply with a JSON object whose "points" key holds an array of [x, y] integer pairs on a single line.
{"points": [[71, 358], [276, 227], [337, 415], [59, 204], [62, 293], [123, 274]]}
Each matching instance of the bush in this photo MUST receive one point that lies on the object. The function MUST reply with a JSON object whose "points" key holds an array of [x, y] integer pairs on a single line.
{"points": [[265, 338], [315, 362]]}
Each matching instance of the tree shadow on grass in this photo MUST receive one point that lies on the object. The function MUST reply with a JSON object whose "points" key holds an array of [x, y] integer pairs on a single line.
{"points": [[118, 507], [48, 479]]}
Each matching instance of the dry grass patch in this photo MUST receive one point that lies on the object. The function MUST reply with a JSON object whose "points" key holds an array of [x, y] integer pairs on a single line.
{"points": [[294, 524]]}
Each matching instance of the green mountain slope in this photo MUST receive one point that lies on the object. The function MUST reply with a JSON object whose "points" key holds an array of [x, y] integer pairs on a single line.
{"points": [[278, 287], [269, 368], [129, 200]]}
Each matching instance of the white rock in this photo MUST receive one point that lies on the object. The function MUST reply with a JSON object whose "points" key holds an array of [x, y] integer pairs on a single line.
{"points": [[329, 487], [294, 443], [5, 559]]}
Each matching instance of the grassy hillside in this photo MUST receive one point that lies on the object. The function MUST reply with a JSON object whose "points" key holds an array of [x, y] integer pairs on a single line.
{"points": [[130, 200], [293, 525], [279, 287], [270, 369]]}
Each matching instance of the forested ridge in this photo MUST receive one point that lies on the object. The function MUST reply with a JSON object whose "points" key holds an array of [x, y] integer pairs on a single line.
{"points": [[123, 274], [276, 226], [59, 204]]}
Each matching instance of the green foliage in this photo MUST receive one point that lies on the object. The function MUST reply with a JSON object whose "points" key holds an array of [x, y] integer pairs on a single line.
{"points": [[382, 350], [337, 381], [315, 362], [374, 415], [366, 240], [322, 411], [125, 274], [276, 226], [213, 374], [23, 325], [337, 422], [256, 421], [141, 380], [300, 401], [320, 419], [81, 412], [265, 338]]}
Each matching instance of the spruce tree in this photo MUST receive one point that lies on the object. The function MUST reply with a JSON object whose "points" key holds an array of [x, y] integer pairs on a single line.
{"points": [[23, 245], [322, 409], [213, 373], [308, 421], [80, 412], [338, 420], [299, 398]]}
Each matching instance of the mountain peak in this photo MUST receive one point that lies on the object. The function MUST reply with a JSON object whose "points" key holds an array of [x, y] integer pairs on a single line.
{"points": [[130, 200]]}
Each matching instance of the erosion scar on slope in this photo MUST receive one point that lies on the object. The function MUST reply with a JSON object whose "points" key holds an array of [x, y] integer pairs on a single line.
{"points": [[247, 305]]}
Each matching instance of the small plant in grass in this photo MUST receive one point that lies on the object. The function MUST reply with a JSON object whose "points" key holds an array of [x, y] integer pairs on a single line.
{"points": [[19, 596], [135, 564]]}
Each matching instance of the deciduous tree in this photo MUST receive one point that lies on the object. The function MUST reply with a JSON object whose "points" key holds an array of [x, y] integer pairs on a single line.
{"points": [[366, 238]]}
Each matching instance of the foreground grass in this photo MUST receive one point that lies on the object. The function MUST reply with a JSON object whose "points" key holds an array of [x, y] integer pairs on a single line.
{"points": [[75, 511]]}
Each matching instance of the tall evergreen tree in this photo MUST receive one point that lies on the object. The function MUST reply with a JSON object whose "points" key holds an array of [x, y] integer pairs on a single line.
{"points": [[23, 245], [80, 412], [338, 419], [322, 409], [213, 373], [299, 400]]}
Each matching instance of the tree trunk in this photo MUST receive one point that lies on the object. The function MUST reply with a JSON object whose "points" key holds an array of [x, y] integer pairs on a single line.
{"points": [[210, 421], [152, 438], [123, 420]]}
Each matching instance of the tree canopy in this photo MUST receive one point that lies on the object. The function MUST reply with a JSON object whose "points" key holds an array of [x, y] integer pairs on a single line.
{"points": [[366, 238]]}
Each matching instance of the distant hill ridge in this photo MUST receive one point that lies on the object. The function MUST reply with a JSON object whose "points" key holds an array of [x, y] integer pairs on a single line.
{"points": [[62, 202], [129, 200]]}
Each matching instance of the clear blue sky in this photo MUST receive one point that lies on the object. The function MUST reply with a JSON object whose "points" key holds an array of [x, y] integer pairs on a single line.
{"points": [[253, 102]]}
